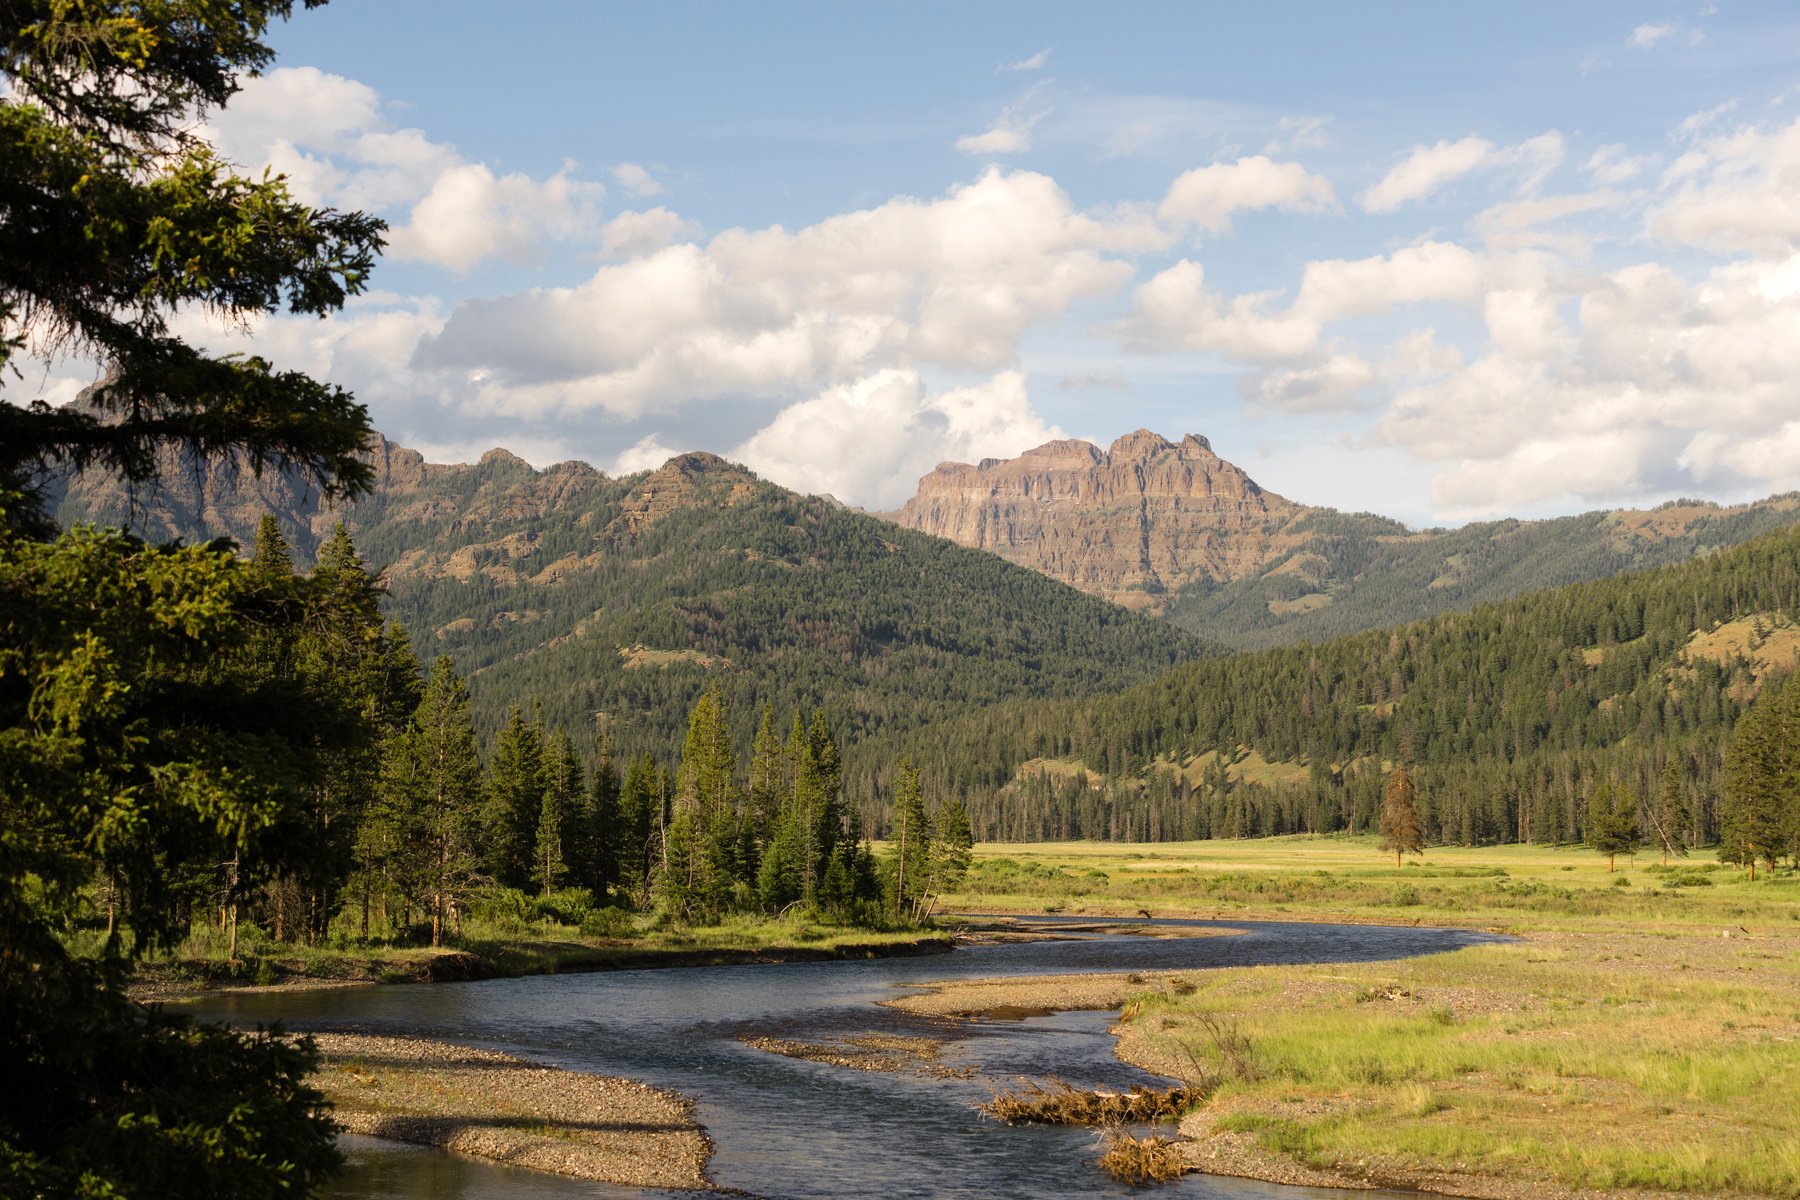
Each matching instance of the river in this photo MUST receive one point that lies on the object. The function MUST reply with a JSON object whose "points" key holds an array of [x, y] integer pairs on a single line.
{"points": [[798, 1130]]}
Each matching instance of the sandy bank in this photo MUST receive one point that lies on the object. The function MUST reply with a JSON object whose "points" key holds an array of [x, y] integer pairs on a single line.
{"points": [[1037, 995], [498, 1107]]}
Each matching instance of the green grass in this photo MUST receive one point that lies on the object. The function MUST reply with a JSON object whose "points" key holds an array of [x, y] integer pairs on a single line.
{"points": [[1622, 1043], [1349, 878], [1600, 1061]]}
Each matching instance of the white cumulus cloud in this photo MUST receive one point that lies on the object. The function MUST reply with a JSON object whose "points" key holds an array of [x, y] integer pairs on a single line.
{"points": [[635, 234], [636, 180], [1739, 191], [1424, 170], [952, 282], [646, 454], [1209, 196], [330, 136], [868, 441]]}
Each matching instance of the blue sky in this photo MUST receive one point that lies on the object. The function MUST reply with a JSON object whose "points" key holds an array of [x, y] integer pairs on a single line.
{"points": [[1432, 260]]}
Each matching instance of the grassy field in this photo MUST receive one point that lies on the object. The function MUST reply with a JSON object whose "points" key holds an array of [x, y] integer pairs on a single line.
{"points": [[1643, 1033], [1509, 888]]}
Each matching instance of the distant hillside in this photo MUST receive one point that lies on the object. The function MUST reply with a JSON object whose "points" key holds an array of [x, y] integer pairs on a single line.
{"points": [[1175, 530], [631, 596], [1511, 713]]}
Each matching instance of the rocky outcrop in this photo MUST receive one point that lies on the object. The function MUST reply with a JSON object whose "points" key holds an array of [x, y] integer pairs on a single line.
{"points": [[1133, 523]]}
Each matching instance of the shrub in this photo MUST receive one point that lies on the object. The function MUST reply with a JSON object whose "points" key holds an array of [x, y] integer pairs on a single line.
{"points": [[608, 923], [568, 906]]}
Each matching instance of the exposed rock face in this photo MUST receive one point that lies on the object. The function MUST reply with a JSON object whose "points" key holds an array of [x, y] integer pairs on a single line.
{"points": [[1132, 523]]}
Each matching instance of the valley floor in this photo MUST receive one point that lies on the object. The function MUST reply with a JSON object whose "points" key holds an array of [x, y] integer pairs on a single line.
{"points": [[1634, 1039]]}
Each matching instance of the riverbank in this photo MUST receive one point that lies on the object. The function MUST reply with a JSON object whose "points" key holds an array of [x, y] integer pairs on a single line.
{"points": [[179, 979], [1562, 1066], [1349, 880], [495, 1106]]}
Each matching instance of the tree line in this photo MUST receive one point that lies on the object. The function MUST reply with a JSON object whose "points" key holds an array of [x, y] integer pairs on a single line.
{"points": [[409, 823], [1512, 717]]}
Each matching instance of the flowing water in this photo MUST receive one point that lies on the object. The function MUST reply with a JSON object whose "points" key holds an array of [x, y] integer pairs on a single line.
{"points": [[790, 1128]]}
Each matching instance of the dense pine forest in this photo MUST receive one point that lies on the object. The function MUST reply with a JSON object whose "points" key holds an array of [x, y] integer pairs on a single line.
{"points": [[1512, 716]]}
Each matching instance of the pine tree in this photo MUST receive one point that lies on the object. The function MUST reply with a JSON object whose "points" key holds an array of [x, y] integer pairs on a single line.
{"points": [[434, 772], [560, 813], [640, 825], [1612, 821], [825, 787], [781, 876], [706, 790], [769, 784], [1670, 815], [343, 650], [515, 802], [1401, 830], [954, 849], [271, 558], [608, 836], [911, 848], [1761, 782]]}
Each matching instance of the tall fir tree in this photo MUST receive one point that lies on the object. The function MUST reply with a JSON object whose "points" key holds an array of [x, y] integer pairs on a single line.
{"points": [[640, 825], [910, 849], [1762, 781], [435, 773], [560, 813], [1612, 821], [606, 846], [1402, 830], [515, 802]]}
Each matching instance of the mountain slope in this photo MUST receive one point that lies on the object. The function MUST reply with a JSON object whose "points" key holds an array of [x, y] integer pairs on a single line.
{"points": [[1511, 713], [1173, 529], [631, 596]]}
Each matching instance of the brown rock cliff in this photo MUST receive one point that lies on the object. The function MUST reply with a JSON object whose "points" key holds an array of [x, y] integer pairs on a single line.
{"points": [[1132, 523]]}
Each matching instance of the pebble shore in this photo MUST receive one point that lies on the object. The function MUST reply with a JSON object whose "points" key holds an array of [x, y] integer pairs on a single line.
{"points": [[498, 1107]]}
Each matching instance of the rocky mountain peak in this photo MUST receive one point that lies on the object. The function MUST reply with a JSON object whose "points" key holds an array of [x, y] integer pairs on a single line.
{"points": [[499, 456], [1132, 523], [1138, 446]]}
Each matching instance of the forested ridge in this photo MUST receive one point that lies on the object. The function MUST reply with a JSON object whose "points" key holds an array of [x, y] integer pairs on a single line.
{"points": [[632, 597], [1511, 715], [1357, 571]]}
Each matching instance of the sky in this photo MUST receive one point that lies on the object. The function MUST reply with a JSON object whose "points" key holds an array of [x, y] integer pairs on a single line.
{"points": [[1442, 262]]}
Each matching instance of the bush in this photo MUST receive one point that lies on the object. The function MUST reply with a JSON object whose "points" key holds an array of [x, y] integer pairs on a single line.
{"points": [[569, 906], [504, 911], [608, 923]]}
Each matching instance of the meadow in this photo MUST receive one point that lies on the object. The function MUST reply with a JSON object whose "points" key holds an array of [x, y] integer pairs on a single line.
{"points": [[1640, 1031], [1508, 888]]}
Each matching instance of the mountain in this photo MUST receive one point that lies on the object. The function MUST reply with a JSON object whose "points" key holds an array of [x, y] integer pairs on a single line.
{"points": [[632, 596], [1173, 530], [1511, 715]]}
